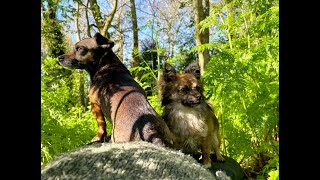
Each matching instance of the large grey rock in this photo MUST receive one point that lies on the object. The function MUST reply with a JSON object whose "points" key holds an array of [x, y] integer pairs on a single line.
{"points": [[134, 160], [230, 169]]}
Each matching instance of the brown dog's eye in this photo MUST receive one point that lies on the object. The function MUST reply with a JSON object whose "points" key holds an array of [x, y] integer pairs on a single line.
{"points": [[78, 48]]}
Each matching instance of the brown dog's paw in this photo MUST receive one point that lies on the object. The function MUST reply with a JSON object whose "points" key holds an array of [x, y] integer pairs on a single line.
{"points": [[220, 158], [207, 165]]}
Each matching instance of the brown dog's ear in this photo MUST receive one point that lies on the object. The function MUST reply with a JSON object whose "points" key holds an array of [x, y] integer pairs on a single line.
{"points": [[193, 68], [103, 41], [169, 73]]}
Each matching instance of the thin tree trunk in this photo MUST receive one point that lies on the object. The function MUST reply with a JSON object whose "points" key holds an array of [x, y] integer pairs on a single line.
{"points": [[201, 11], [206, 35], [135, 51], [169, 42], [154, 61], [81, 78], [120, 33], [76, 22], [158, 57], [87, 20], [175, 37]]}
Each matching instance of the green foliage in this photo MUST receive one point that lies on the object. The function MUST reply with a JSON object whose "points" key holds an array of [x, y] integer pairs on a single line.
{"points": [[147, 81], [155, 103], [182, 59], [65, 124], [53, 37], [274, 174], [242, 81], [146, 77]]}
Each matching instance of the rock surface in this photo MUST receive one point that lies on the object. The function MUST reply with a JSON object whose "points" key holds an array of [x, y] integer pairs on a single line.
{"points": [[134, 160]]}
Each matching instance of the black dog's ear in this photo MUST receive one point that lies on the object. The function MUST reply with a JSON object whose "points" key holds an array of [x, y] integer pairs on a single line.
{"points": [[103, 41], [169, 73], [193, 68]]}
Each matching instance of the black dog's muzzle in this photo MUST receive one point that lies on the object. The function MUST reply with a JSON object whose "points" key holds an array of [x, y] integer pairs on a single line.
{"points": [[70, 63], [60, 59]]}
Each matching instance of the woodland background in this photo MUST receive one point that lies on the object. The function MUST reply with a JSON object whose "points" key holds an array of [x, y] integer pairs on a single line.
{"points": [[235, 41]]}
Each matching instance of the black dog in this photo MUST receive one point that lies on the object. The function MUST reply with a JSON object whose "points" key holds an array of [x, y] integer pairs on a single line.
{"points": [[114, 94]]}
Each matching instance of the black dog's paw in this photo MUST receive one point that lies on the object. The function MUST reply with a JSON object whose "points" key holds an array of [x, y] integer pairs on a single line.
{"points": [[95, 142], [101, 141]]}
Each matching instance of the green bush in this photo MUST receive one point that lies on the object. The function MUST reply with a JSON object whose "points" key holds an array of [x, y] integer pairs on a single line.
{"points": [[243, 84], [65, 124]]}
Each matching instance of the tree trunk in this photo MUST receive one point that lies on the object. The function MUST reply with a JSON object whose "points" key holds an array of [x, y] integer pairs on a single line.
{"points": [[135, 50], [81, 78], [120, 33], [101, 25], [201, 11], [87, 20], [76, 22]]}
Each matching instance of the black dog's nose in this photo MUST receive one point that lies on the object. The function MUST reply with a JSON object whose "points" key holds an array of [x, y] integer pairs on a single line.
{"points": [[60, 58]]}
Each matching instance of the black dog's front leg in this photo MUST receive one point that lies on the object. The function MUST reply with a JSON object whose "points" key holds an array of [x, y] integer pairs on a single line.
{"points": [[102, 133]]}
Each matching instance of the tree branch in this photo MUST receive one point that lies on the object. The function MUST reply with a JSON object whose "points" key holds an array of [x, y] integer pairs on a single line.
{"points": [[109, 19]]}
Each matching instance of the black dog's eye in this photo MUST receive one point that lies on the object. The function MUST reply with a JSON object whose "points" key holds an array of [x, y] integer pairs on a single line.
{"points": [[184, 89]]}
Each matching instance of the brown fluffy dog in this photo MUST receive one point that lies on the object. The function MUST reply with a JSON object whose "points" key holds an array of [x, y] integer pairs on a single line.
{"points": [[187, 114], [114, 94]]}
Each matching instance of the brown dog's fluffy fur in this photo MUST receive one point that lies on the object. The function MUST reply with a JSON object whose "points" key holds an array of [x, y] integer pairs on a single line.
{"points": [[114, 94], [188, 115]]}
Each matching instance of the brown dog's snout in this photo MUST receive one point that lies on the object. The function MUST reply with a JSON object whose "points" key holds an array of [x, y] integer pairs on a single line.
{"points": [[196, 95], [196, 99]]}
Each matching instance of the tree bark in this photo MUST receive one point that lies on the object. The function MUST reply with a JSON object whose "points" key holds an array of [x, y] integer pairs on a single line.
{"points": [[201, 11], [81, 78], [135, 50], [120, 33], [87, 20], [76, 22]]}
